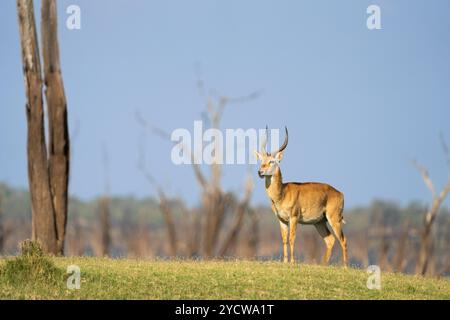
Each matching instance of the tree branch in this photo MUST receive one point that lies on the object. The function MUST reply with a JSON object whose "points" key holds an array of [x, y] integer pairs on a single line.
{"points": [[166, 136], [425, 176]]}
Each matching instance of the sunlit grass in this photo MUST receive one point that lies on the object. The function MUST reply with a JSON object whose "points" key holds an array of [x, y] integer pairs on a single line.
{"points": [[103, 278]]}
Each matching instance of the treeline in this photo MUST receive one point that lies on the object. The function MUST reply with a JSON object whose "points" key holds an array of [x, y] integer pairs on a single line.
{"points": [[383, 233], [16, 204]]}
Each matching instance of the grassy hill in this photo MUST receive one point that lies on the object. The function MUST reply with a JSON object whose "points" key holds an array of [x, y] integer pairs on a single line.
{"points": [[103, 278]]}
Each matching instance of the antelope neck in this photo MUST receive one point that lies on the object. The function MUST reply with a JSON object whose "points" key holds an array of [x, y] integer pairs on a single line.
{"points": [[274, 186]]}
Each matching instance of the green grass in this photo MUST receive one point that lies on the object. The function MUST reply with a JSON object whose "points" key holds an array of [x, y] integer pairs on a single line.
{"points": [[103, 278]]}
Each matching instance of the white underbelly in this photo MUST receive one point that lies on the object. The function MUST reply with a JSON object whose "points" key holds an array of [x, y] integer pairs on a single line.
{"points": [[313, 220], [303, 218], [310, 217]]}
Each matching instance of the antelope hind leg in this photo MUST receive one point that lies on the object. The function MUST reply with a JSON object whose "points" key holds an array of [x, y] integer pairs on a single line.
{"points": [[329, 239]]}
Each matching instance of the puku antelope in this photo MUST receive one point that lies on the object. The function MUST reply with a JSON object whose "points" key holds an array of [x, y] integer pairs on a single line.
{"points": [[305, 203]]}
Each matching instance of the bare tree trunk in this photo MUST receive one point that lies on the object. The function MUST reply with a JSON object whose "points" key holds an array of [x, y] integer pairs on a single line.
{"points": [[383, 259], [78, 235], [426, 245], [76, 245], [167, 214], [43, 219], [143, 239], [105, 236], [242, 208], [427, 235], [383, 256], [216, 205], [254, 233], [59, 146], [425, 251], [216, 202], [195, 238], [400, 259]]}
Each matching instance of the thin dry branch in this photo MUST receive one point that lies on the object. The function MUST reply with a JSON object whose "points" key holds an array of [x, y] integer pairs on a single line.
{"points": [[425, 176], [166, 136], [426, 245], [445, 148]]}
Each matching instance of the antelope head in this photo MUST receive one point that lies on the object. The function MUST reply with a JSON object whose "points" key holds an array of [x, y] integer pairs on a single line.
{"points": [[270, 161]]}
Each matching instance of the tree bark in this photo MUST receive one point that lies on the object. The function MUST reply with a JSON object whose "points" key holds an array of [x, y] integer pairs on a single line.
{"points": [[59, 146], [43, 220]]}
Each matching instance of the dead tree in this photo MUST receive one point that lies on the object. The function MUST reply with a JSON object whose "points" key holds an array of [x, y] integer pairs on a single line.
{"points": [[383, 235], [103, 210], [400, 257], [253, 240], [445, 262], [164, 204], [426, 243], [105, 226], [59, 146], [77, 235], [215, 201], [48, 174], [166, 211], [231, 237], [135, 235], [194, 232]]}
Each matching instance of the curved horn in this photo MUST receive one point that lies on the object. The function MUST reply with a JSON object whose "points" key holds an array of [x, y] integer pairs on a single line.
{"points": [[264, 144], [285, 143]]}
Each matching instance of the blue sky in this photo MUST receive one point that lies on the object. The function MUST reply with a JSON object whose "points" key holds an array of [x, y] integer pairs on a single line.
{"points": [[359, 104]]}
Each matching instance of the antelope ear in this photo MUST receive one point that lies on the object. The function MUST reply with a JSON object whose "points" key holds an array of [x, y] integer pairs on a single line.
{"points": [[257, 155], [279, 156]]}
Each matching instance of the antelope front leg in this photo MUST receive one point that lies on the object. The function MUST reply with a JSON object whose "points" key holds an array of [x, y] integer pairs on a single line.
{"points": [[284, 235], [292, 233]]}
